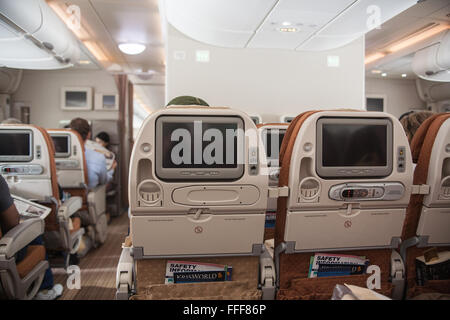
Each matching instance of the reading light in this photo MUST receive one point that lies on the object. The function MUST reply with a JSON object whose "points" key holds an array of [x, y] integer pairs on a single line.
{"points": [[84, 62], [132, 48], [286, 23], [288, 29], [376, 71], [384, 74], [403, 75]]}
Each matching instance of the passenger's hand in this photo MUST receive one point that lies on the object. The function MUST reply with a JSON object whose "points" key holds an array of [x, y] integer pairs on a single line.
{"points": [[114, 165]]}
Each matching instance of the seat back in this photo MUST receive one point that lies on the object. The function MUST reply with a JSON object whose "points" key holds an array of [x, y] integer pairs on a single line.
{"points": [[428, 216], [73, 178], [193, 189], [427, 220], [69, 158], [28, 165], [272, 136], [349, 176]]}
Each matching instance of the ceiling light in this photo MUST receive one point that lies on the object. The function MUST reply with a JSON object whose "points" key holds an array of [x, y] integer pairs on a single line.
{"points": [[384, 74], [84, 62], [376, 71], [416, 38], [286, 23], [288, 29], [373, 57], [132, 48], [403, 75]]}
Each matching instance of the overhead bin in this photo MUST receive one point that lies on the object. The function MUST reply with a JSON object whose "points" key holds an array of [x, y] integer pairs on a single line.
{"points": [[432, 62], [33, 37], [284, 24]]}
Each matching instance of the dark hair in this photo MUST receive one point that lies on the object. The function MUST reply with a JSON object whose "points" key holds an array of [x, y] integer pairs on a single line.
{"points": [[187, 100], [103, 136], [412, 122], [81, 126]]}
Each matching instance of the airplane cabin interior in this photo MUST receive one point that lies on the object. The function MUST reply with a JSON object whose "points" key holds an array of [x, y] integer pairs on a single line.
{"points": [[248, 151]]}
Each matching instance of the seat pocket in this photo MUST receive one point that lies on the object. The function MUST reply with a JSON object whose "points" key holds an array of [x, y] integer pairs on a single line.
{"points": [[322, 288]]}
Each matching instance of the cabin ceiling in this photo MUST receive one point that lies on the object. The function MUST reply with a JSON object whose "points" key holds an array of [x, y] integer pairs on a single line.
{"points": [[111, 22], [400, 26]]}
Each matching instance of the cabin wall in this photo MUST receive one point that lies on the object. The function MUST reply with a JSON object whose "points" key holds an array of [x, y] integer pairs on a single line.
{"points": [[269, 82], [42, 91], [401, 94]]}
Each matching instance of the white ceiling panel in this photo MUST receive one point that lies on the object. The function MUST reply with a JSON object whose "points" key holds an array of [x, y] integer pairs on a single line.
{"points": [[357, 19], [228, 23], [305, 16]]}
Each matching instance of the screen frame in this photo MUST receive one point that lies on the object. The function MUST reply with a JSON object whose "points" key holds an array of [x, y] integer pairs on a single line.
{"points": [[69, 145], [88, 103], [195, 174], [18, 158], [354, 171]]}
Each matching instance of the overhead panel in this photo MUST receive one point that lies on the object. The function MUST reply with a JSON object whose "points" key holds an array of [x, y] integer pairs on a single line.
{"points": [[356, 20], [291, 22], [229, 23]]}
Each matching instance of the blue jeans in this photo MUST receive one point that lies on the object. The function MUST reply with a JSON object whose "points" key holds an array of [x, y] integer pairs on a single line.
{"points": [[47, 283]]}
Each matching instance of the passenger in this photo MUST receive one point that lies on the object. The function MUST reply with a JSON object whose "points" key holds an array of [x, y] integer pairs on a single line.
{"points": [[103, 139], [96, 162], [411, 121], [187, 101], [9, 218]]}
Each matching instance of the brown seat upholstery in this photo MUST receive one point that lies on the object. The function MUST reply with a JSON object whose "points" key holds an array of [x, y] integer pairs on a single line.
{"points": [[421, 148], [35, 254]]}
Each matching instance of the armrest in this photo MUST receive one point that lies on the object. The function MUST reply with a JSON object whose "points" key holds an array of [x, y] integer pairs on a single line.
{"points": [[70, 206], [124, 273], [20, 236], [268, 275]]}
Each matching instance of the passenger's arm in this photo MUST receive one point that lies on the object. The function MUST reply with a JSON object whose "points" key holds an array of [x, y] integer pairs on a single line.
{"points": [[9, 218], [103, 173]]}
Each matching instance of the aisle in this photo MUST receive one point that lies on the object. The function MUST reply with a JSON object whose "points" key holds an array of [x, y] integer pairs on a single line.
{"points": [[98, 267]]}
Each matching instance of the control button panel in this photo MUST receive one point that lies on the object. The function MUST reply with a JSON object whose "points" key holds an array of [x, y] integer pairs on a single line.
{"points": [[401, 159], [29, 169], [367, 191]]}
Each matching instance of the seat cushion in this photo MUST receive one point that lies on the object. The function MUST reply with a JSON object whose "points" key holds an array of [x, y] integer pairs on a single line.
{"points": [[35, 254]]}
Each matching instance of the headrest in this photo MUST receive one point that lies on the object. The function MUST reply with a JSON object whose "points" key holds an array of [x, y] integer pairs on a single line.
{"points": [[419, 137], [271, 124]]}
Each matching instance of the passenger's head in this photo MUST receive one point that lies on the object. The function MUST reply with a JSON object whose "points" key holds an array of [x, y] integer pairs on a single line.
{"points": [[81, 126], [11, 121], [102, 138], [412, 121], [187, 101]]}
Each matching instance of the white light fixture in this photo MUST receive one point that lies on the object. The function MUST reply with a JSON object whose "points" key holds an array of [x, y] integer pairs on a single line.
{"points": [[384, 74], [403, 75], [376, 71], [132, 48], [84, 62], [290, 29], [286, 23]]}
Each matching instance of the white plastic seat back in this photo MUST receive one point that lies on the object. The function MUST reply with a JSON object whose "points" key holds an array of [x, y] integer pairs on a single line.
{"points": [[181, 207], [25, 162], [69, 158], [350, 180]]}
